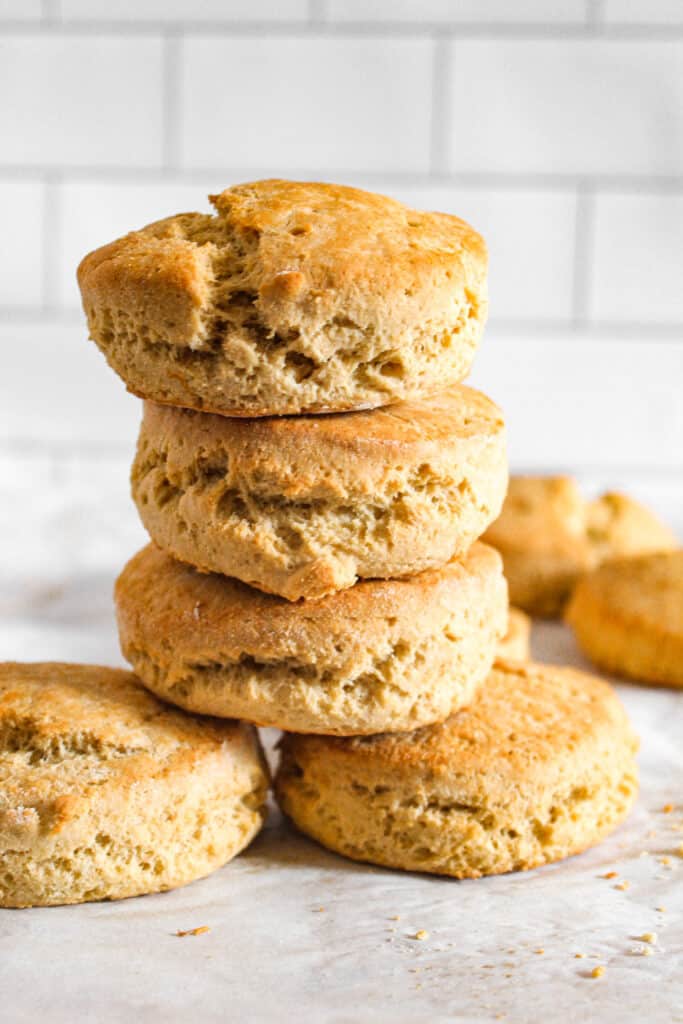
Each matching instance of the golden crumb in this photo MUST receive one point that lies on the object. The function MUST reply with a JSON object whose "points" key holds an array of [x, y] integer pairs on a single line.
{"points": [[202, 930], [660, 910], [623, 886], [650, 937], [396, 917], [541, 950], [647, 951], [679, 851], [666, 861], [611, 874], [598, 971], [667, 808], [579, 956], [421, 935], [318, 910]]}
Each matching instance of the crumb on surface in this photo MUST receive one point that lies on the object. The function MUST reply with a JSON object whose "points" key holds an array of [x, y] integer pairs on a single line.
{"points": [[396, 917], [623, 886], [579, 956], [202, 930], [598, 971], [610, 874], [539, 950], [421, 935], [667, 808], [650, 937]]}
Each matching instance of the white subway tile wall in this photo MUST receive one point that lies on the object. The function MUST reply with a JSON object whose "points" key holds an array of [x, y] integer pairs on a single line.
{"points": [[293, 104], [187, 10], [456, 12], [78, 99], [638, 255], [644, 12], [22, 213], [25, 9], [554, 126], [575, 106]]}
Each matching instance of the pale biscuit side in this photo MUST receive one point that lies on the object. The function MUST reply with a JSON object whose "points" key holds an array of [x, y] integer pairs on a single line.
{"points": [[507, 784], [302, 510], [380, 656]]}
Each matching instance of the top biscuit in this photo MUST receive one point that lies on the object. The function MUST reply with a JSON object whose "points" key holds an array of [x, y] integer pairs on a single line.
{"points": [[294, 297]]}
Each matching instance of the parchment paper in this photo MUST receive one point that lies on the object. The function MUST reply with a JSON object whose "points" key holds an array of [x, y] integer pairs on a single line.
{"points": [[297, 933]]}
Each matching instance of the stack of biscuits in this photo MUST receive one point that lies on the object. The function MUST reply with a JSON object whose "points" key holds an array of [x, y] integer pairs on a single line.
{"points": [[314, 478]]}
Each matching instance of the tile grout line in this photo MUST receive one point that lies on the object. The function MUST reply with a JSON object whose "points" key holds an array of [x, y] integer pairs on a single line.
{"points": [[595, 14], [50, 12], [317, 13]]}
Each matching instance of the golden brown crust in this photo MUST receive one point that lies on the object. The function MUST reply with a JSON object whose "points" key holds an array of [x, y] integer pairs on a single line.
{"points": [[105, 792], [303, 506], [381, 655], [549, 536], [538, 767], [628, 617], [295, 297]]}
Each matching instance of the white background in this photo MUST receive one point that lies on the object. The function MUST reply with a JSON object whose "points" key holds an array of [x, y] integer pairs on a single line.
{"points": [[554, 126]]}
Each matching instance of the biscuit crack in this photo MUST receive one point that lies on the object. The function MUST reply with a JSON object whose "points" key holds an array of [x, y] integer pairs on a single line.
{"points": [[24, 735]]}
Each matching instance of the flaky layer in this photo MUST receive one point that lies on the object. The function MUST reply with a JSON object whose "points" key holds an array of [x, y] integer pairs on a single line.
{"points": [[303, 507], [294, 297], [106, 793], [380, 656], [512, 782]]}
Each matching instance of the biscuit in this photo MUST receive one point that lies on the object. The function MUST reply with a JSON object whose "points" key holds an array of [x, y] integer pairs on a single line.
{"points": [[515, 645], [384, 655], [549, 536], [105, 792], [294, 297], [627, 616], [540, 766], [303, 506]]}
